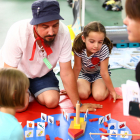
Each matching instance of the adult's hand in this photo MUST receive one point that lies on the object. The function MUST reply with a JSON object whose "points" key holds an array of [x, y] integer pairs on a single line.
{"points": [[90, 107]]}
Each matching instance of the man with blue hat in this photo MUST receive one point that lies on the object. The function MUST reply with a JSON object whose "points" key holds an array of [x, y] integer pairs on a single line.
{"points": [[34, 47]]}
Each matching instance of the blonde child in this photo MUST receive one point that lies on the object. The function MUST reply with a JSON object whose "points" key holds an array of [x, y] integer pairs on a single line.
{"points": [[13, 86], [91, 57]]}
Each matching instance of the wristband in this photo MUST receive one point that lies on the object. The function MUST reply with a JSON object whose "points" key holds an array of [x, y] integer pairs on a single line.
{"points": [[80, 106]]}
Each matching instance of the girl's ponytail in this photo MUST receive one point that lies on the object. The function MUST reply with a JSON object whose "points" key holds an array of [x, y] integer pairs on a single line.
{"points": [[108, 43], [78, 44]]}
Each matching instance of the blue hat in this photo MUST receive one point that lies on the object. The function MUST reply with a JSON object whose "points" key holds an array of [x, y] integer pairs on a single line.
{"points": [[45, 11]]}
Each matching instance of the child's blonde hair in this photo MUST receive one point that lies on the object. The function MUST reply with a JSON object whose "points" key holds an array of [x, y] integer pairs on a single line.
{"points": [[13, 86], [94, 26]]}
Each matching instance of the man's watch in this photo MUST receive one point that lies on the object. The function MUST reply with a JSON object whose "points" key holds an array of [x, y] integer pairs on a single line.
{"points": [[80, 106]]}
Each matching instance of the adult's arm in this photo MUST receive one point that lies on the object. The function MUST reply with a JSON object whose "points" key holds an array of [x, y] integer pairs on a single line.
{"points": [[70, 85]]}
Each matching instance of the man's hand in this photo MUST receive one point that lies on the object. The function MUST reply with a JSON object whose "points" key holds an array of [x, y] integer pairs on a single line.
{"points": [[115, 96], [90, 107]]}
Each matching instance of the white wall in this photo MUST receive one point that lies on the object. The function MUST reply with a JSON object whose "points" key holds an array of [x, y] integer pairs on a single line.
{"points": [[123, 11]]}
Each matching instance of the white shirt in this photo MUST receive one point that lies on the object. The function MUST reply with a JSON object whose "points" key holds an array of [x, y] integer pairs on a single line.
{"points": [[18, 46]]}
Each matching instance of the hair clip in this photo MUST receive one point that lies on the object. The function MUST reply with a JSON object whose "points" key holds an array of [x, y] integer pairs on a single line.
{"points": [[38, 10]]}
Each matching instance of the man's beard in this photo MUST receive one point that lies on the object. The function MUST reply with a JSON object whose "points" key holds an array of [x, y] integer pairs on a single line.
{"points": [[50, 42]]}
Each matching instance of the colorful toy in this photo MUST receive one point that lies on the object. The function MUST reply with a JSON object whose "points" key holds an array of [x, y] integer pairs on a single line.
{"points": [[77, 127], [93, 120], [105, 124], [47, 137], [57, 122]]}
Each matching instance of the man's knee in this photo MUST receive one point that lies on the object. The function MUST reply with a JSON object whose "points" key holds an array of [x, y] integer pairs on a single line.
{"points": [[50, 100]]}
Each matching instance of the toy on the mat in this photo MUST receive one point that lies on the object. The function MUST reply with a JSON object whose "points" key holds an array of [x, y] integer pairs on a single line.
{"points": [[30, 124], [111, 126], [43, 117], [121, 125], [104, 118], [65, 114], [40, 133], [123, 133], [72, 117], [104, 138], [67, 117], [57, 122], [113, 133], [57, 138], [101, 120], [85, 116], [40, 125], [36, 124], [93, 120], [103, 130], [107, 117], [46, 123], [47, 137], [78, 126], [51, 119], [28, 133], [105, 124]]}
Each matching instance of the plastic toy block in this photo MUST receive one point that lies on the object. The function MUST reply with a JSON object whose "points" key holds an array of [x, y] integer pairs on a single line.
{"points": [[103, 130], [105, 124], [35, 124], [46, 123], [76, 137], [57, 122], [72, 117], [83, 125], [134, 45], [76, 126], [47, 137], [57, 138], [93, 120], [121, 45], [75, 132]]}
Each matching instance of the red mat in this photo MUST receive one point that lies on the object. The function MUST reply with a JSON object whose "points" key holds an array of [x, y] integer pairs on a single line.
{"points": [[116, 109]]}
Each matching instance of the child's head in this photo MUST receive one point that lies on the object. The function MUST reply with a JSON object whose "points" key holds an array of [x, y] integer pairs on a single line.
{"points": [[132, 8], [93, 35], [132, 20], [13, 86]]}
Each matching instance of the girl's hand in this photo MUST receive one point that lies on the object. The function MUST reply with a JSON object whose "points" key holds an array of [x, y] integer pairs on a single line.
{"points": [[138, 119], [115, 96], [90, 107]]}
